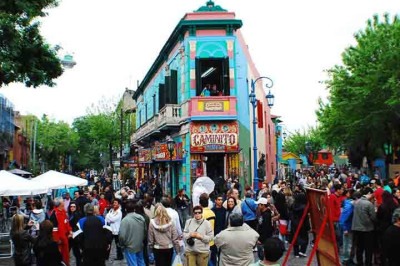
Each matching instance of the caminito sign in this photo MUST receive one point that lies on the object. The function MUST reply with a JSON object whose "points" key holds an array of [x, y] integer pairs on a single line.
{"points": [[214, 137]]}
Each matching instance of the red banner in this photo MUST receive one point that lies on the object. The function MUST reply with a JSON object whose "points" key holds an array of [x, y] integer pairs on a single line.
{"points": [[214, 137], [322, 226]]}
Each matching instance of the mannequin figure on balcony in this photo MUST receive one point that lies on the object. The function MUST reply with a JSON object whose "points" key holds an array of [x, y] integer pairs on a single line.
{"points": [[206, 91], [214, 91]]}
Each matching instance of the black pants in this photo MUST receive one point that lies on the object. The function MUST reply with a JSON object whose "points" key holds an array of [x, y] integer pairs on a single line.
{"points": [[94, 257], [163, 257], [74, 245], [364, 243], [120, 256], [301, 243]]}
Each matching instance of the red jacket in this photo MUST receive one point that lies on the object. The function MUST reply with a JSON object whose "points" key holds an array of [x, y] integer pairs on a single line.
{"points": [[61, 227], [336, 204], [103, 204]]}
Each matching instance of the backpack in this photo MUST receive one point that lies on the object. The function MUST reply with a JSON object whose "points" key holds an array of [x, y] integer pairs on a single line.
{"points": [[364, 180]]}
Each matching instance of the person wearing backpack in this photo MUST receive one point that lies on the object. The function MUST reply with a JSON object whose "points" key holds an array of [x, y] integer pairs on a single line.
{"points": [[364, 179], [249, 210]]}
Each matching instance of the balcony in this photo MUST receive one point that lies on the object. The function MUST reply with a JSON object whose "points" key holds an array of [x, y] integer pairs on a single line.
{"points": [[213, 108], [169, 115], [168, 118]]}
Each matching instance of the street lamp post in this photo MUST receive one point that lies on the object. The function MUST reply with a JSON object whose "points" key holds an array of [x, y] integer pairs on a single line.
{"points": [[170, 147], [121, 163], [253, 100]]}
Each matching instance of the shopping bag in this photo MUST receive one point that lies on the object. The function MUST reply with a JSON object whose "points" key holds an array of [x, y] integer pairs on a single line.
{"points": [[283, 226], [177, 261]]}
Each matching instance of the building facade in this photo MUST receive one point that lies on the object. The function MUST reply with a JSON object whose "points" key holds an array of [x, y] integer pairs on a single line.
{"points": [[7, 130], [197, 93]]}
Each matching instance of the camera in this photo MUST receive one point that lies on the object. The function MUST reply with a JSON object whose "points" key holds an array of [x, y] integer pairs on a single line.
{"points": [[190, 241]]}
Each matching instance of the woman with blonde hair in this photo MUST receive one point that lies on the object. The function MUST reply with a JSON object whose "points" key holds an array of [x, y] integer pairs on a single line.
{"points": [[22, 241], [162, 237]]}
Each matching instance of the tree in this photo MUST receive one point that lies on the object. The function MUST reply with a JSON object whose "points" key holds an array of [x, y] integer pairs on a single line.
{"points": [[99, 134], [306, 142], [55, 143], [362, 113], [24, 54]]}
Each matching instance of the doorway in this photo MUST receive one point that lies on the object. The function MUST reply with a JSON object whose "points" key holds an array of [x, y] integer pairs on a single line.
{"points": [[215, 165]]}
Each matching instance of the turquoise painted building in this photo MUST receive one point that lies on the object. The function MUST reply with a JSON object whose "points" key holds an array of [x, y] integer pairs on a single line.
{"points": [[196, 93]]}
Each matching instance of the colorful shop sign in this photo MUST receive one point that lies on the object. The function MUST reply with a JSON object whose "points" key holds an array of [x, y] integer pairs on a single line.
{"points": [[145, 156], [161, 153], [214, 137]]}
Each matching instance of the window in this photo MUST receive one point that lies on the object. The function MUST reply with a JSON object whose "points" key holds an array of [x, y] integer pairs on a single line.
{"points": [[324, 156], [154, 104], [171, 85], [161, 96], [212, 72]]}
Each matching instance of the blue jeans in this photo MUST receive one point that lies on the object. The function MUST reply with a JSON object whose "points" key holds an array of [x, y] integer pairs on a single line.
{"points": [[347, 241], [134, 259]]}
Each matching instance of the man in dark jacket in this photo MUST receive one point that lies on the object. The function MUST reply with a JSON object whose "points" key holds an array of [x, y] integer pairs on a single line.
{"points": [[265, 228], [390, 241], [94, 236], [81, 201]]}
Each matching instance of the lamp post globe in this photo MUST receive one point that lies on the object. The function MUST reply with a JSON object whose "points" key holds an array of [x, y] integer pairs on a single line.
{"points": [[171, 147]]}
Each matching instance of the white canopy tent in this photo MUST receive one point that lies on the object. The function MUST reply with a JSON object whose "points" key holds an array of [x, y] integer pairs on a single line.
{"points": [[55, 180], [13, 185], [20, 172]]}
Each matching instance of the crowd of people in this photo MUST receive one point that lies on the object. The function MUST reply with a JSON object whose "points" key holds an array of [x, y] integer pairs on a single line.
{"points": [[224, 228]]}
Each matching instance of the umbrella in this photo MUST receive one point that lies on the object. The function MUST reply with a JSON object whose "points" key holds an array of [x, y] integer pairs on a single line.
{"points": [[13, 185], [203, 184], [19, 172], [54, 180]]}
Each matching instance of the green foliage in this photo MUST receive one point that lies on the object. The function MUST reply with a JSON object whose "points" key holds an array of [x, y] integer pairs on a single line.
{"points": [[297, 142], [55, 142], [362, 113], [24, 54]]}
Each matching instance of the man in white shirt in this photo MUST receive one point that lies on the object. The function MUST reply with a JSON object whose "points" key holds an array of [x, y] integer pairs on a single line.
{"points": [[113, 218]]}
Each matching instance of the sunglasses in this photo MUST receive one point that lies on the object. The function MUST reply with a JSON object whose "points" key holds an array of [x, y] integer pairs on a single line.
{"points": [[198, 212]]}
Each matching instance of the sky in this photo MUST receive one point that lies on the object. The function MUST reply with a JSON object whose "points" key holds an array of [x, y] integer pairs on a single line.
{"points": [[115, 43]]}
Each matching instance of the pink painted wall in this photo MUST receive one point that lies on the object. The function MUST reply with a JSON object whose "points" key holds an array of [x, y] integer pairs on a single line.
{"points": [[270, 141]]}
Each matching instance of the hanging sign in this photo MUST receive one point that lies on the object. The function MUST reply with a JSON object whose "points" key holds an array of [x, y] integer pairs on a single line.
{"points": [[214, 137]]}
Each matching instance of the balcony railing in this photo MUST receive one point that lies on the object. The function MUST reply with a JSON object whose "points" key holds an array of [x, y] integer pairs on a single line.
{"points": [[169, 116]]}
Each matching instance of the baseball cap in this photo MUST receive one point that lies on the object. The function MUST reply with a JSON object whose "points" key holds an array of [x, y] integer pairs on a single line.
{"points": [[262, 201]]}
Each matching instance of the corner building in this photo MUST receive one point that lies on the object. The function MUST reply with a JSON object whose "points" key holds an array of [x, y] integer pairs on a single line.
{"points": [[197, 93]]}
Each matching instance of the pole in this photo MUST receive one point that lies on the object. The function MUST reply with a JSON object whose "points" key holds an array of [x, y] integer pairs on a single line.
{"points": [[254, 102], [121, 140]]}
